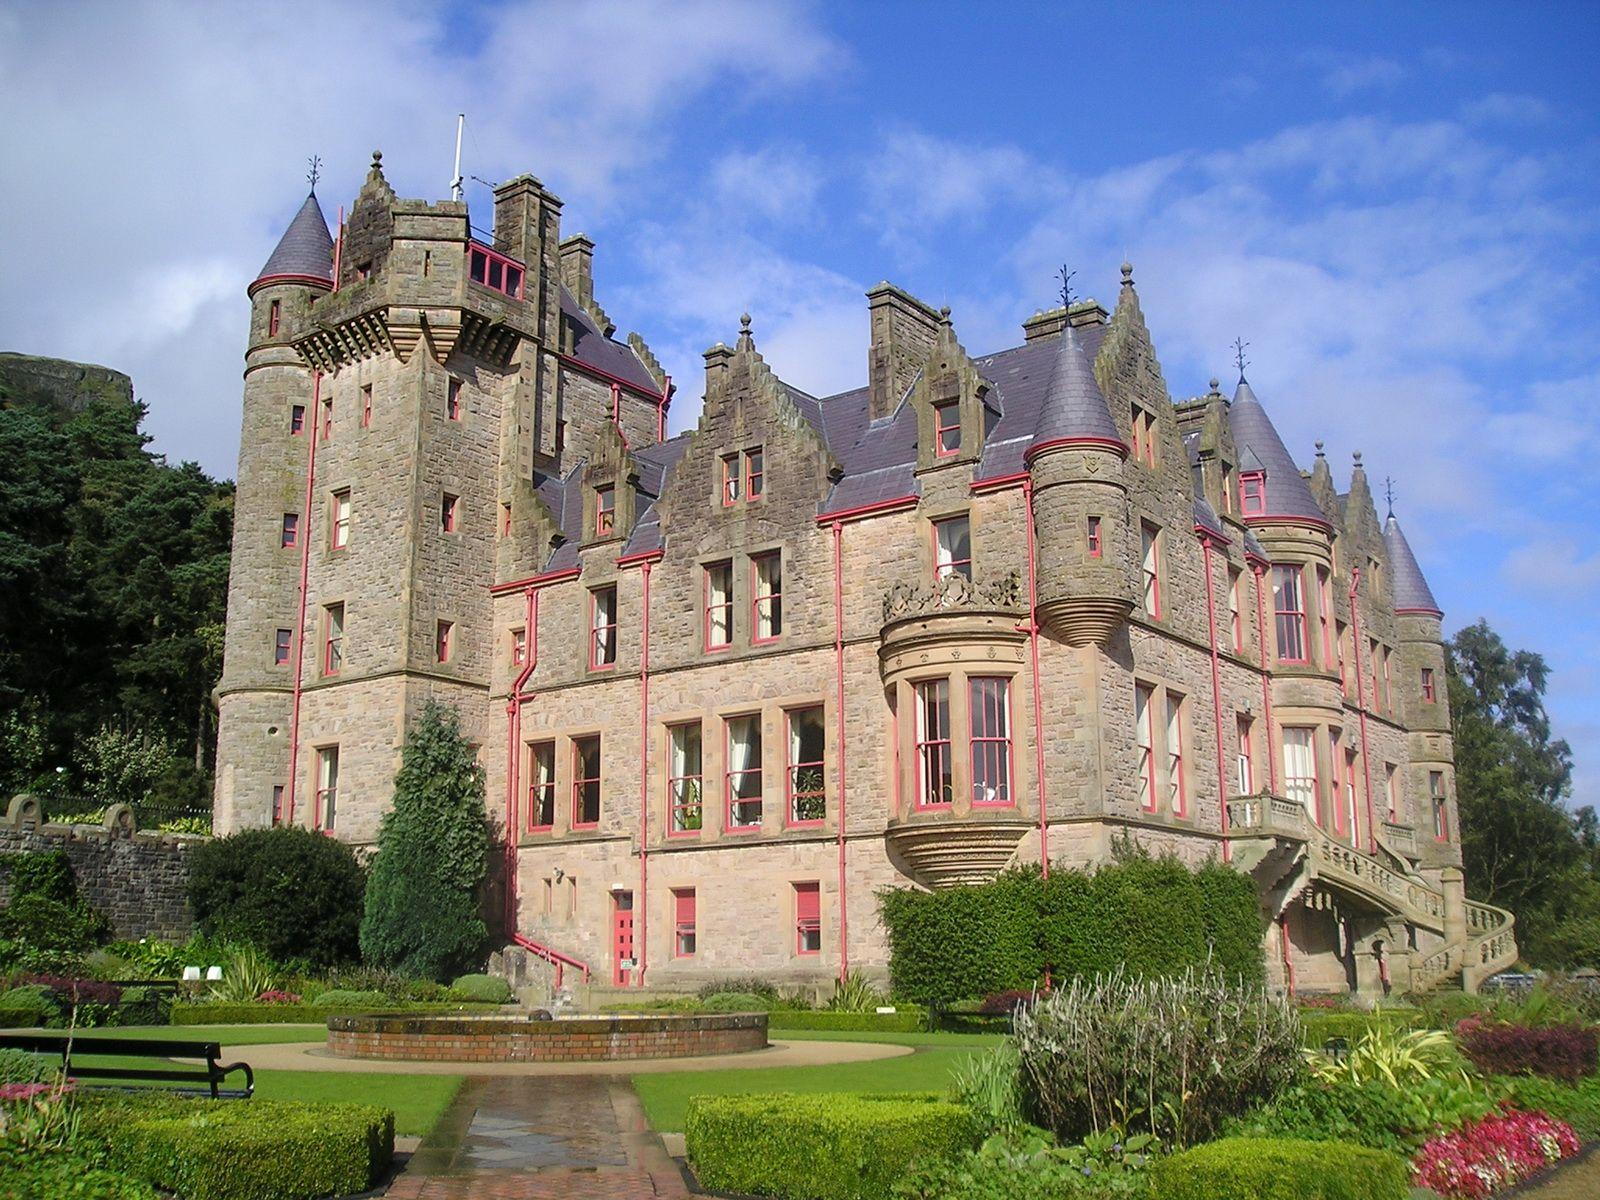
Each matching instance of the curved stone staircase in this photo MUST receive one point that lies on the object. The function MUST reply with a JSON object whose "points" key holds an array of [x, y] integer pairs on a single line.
{"points": [[1276, 842]]}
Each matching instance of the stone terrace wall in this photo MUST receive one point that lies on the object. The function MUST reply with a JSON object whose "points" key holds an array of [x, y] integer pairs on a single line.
{"points": [[139, 880]]}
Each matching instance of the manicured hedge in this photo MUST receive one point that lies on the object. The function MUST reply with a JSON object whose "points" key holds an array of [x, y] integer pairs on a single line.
{"points": [[297, 1014], [62, 1175], [1319, 1026], [825, 1146], [490, 989], [1280, 1169], [239, 1150], [1564, 1052], [1151, 916], [907, 1020]]}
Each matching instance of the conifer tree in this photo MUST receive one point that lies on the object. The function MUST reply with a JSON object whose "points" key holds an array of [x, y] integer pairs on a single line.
{"points": [[424, 896]]}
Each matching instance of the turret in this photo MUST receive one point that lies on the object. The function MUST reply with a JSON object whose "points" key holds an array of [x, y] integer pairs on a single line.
{"points": [[1080, 504]]}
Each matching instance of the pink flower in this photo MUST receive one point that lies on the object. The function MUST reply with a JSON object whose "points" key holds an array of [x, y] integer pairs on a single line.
{"points": [[27, 1091], [1484, 1157]]}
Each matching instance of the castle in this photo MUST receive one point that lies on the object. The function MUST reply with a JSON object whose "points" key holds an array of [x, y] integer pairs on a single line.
{"points": [[725, 686]]}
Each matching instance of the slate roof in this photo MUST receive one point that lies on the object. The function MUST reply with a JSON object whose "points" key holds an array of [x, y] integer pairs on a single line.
{"points": [[1287, 493], [590, 345], [1073, 405], [1410, 589], [563, 495], [306, 247]]}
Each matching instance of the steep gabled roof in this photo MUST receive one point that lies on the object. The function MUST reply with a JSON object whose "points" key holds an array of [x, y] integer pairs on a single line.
{"points": [[1411, 591], [306, 247], [1073, 405], [591, 346], [1287, 493]]}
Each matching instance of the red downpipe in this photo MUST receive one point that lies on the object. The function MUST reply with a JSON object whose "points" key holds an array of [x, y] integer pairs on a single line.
{"points": [[1361, 704], [530, 641], [661, 409], [1216, 702], [311, 428], [1266, 682], [1038, 715], [642, 909], [844, 755]]}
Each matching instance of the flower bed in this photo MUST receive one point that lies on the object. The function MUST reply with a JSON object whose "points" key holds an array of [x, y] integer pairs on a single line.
{"points": [[1564, 1052], [1487, 1156]]}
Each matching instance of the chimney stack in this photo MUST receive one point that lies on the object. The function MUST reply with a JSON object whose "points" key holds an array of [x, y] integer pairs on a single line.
{"points": [[904, 331], [577, 268]]}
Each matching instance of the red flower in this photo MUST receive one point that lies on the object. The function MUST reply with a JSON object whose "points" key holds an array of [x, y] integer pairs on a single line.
{"points": [[1483, 1157]]}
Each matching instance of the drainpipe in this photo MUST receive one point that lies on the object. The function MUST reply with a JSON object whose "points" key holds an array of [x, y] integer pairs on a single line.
{"points": [[312, 430], [1216, 702], [661, 409], [1038, 715], [530, 642], [844, 757], [1266, 682], [642, 909], [1361, 703]]}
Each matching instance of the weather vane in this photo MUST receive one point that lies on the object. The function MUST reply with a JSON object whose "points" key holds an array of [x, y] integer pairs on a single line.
{"points": [[314, 170], [1238, 355], [1388, 492], [1066, 285]]}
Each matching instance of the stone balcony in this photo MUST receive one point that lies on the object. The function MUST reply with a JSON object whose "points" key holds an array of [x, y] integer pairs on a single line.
{"points": [[953, 621]]}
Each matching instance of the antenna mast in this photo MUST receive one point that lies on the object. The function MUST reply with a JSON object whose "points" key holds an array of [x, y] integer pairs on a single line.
{"points": [[455, 180]]}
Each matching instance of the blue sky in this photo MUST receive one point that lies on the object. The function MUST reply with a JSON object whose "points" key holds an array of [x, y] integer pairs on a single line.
{"points": [[1394, 204]]}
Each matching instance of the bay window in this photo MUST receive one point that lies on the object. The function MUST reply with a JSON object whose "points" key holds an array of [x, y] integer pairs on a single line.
{"points": [[805, 775], [1300, 768], [989, 715], [1325, 616], [1289, 613], [684, 811], [935, 777], [743, 795], [1352, 796]]}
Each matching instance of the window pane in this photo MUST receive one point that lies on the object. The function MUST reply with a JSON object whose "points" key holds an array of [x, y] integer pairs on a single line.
{"points": [[1300, 768], [684, 783], [1144, 736], [542, 786], [989, 701], [954, 538], [744, 772], [586, 781], [936, 785], [719, 604], [807, 747], [769, 596]]}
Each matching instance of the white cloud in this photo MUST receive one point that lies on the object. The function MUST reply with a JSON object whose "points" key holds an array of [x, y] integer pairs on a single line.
{"points": [[775, 183], [1506, 108], [915, 181], [1344, 74]]}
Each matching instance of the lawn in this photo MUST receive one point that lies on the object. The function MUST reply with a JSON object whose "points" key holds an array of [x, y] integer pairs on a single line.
{"points": [[666, 1097], [417, 1100]]}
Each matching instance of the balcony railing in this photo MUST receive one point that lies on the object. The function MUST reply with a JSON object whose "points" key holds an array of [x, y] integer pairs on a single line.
{"points": [[495, 270]]}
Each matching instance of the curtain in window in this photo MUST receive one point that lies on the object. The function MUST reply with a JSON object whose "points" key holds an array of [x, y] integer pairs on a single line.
{"points": [[744, 771], [991, 740], [684, 783], [937, 783], [1300, 769]]}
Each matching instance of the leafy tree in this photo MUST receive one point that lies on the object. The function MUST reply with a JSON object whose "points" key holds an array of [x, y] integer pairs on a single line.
{"points": [[424, 900], [292, 893], [1521, 847]]}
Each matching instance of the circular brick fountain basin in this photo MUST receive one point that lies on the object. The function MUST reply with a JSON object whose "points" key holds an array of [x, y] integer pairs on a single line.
{"points": [[523, 1038]]}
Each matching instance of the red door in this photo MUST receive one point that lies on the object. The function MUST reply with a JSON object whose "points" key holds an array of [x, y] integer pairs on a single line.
{"points": [[621, 938]]}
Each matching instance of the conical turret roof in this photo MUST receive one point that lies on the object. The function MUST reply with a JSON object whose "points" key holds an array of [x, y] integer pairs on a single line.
{"points": [[1073, 406], [1287, 493], [1411, 591], [306, 248]]}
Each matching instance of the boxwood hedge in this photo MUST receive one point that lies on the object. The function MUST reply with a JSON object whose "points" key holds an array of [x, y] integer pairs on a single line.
{"points": [[238, 1150], [824, 1146], [298, 1014], [1151, 916], [1280, 1169], [905, 1021]]}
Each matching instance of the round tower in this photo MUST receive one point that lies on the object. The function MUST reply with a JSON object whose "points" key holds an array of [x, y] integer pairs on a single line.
{"points": [[1080, 504]]}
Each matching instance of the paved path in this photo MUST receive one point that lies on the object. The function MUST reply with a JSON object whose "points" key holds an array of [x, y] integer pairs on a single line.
{"points": [[511, 1138]]}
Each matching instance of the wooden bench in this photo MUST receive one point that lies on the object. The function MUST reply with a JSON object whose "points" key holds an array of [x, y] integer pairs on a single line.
{"points": [[207, 1080]]}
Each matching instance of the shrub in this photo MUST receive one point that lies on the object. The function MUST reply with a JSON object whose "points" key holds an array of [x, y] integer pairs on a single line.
{"points": [[490, 989], [855, 994], [1565, 1052], [823, 1146], [423, 907], [1578, 1104], [291, 1014], [1394, 1055], [245, 975], [1319, 1027], [1494, 1153], [287, 890], [1003, 1004], [277, 996], [1274, 1169], [738, 983], [1149, 916], [736, 1002], [338, 998], [63, 1175], [1372, 1113], [1172, 1056], [990, 1084], [1026, 1166], [46, 873], [246, 1150], [23, 1066], [31, 1000], [906, 1020]]}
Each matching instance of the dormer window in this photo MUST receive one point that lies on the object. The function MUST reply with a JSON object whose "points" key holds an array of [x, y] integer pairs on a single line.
{"points": [[605, 510], [947, 428], [1253, 493]]}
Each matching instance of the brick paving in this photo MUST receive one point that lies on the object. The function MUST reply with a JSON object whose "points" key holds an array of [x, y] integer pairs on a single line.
{"points": [[527, 1138]]}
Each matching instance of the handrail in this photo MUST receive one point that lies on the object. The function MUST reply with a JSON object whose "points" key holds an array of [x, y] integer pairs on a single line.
{"points": [[555, 958]]}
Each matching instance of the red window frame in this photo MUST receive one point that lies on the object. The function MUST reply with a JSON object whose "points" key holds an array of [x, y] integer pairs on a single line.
{"points": [[325, 812], [1144, 700], [947, 432], [602, 628], [1092, 537], [519, 646], [1150, 566], [541, 792], [443, 635], [989, 746], [956, 566], [1325, 615], [289, 532], [732, 481], [282, 647], [729, 773], [1252, 493], [1289, 612], [807, 918], [1177, 785], [1439, 799], [274, 314], [495, 271], [297, 420], [1429, 694], [1236, 608], [711, 570], [683, 923], [1352, 796], [327, 418], [447, 512], [1336, 782], [754, 474], [934, 754], [277, 804], [605, 510], [1244, 758], [793, 793], [773, 600], [339, 519], [679, 806], [366, 406], [332, 639], [580, 781], [505, 519], [1311, 782], [1391, 792], [452, 399], [1339, 634]]}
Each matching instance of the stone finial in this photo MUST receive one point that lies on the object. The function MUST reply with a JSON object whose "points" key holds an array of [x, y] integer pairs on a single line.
{"points": [[375, 174], [1127, 273], [944, 315], [1216, 386], [1320, 452], [1357, 457], [747, 340]]}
